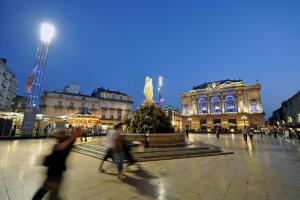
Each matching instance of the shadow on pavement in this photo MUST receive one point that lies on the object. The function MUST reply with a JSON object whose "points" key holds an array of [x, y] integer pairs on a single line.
{"points": [[142, 184]]}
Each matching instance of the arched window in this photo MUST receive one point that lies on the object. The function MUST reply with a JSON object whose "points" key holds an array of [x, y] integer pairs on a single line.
{"points": [[202, 105], [230, 104], [185, 109], [215, 105], [253, 104]]}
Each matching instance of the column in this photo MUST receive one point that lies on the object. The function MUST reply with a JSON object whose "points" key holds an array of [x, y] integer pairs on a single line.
{"points": [[222, 104], [208, 104]]}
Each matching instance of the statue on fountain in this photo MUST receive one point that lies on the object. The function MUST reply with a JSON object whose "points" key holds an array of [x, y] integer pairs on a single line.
{"points": [[148, 92], [148, 118]]}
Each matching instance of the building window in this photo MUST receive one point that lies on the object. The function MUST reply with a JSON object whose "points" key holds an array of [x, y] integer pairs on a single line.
{"points": [[93, 106], [299, 118], [232, 122], [253, 105], [202, 106], [103, 116], [71, 104], [59, 103], [289, 119], [203, 122], [185, 109], [215, 105], [230, 104], [113, 96], [111, 117]]}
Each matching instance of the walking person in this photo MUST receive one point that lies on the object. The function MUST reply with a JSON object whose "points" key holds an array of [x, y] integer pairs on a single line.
{"points": [[261, 132], [109, 151], [83, 136], [118, 149], [245, 133], [13, 132], [37, 131], [56, 163], [218, 132], [187, 131], [275, 132], [250, 132]]}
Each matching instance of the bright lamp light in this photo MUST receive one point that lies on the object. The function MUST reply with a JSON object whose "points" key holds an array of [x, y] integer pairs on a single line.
{"points": [[47, 32]]}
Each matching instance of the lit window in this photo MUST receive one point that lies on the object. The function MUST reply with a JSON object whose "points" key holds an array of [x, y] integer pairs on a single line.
{"points": [[185, 110], [202, 106], [215, 105], [253, 106], [289, 119], [298, 117], [230, 104]]}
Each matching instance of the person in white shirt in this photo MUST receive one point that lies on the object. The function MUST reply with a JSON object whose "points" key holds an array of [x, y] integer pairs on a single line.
{"points": [[109, 151], [245, 133]]}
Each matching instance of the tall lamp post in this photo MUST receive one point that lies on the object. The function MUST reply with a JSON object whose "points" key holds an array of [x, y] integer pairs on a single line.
{"points": [[34, 89]]}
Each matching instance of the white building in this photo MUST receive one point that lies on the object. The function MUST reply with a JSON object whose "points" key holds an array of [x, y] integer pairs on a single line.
{"points": [[8, 86]]}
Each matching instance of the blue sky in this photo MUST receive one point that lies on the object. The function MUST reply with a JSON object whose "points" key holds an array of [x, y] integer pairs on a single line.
{"points": [[116, 44]]}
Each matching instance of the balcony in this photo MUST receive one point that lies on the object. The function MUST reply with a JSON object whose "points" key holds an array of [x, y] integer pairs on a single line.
{"points": [[93, 109]]}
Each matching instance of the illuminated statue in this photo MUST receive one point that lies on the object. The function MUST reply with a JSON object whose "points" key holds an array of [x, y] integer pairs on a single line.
{"points": [[148, 92]]}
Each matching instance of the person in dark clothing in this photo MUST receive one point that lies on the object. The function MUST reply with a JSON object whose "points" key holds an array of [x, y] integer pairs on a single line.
{"points": [[187, 131], [13, 132], [83, 136], [56, 163], [218, 132]]}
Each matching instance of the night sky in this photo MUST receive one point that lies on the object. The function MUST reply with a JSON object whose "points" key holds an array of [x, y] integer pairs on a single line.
{"points": [[115, 44]]}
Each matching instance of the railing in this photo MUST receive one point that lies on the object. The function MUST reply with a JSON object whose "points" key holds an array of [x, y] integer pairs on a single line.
{"points": [[58, 106]]}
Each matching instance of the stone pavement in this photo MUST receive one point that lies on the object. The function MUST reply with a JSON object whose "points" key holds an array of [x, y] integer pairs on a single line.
{"points": [[266, 169]]}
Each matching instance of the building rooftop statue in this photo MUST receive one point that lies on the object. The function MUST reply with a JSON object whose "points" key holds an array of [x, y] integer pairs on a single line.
{"points": [[215, 84]]}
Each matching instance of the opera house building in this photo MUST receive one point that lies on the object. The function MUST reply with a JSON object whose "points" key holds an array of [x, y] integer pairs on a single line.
{"points": [[228, 105]]}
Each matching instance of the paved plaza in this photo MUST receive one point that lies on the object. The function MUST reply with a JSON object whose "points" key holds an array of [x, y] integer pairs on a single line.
{"points": [[266, 169]]}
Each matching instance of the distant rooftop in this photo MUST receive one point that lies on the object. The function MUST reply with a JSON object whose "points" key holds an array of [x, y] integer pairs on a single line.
{"points": [[207, 84], [102, 89]]}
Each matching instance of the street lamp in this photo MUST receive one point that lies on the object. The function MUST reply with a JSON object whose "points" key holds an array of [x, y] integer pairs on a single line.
{"points": [[34, 85]]}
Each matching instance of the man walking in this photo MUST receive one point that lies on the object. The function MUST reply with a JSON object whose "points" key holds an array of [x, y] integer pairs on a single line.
{"points": [[245, 133], [56, 163]]}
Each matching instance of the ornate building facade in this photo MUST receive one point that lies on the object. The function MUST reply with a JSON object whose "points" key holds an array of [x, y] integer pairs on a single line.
{"points": [[228, 105], [110, 106]]}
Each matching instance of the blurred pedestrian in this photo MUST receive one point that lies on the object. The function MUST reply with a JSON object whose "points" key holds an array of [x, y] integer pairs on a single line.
{"points": [[261, 132], [83, 136], [119, 149], [109, 151], [56, 163], [218, 132], [187, 131], [251, 132], [13, 132], [245, 133]]}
